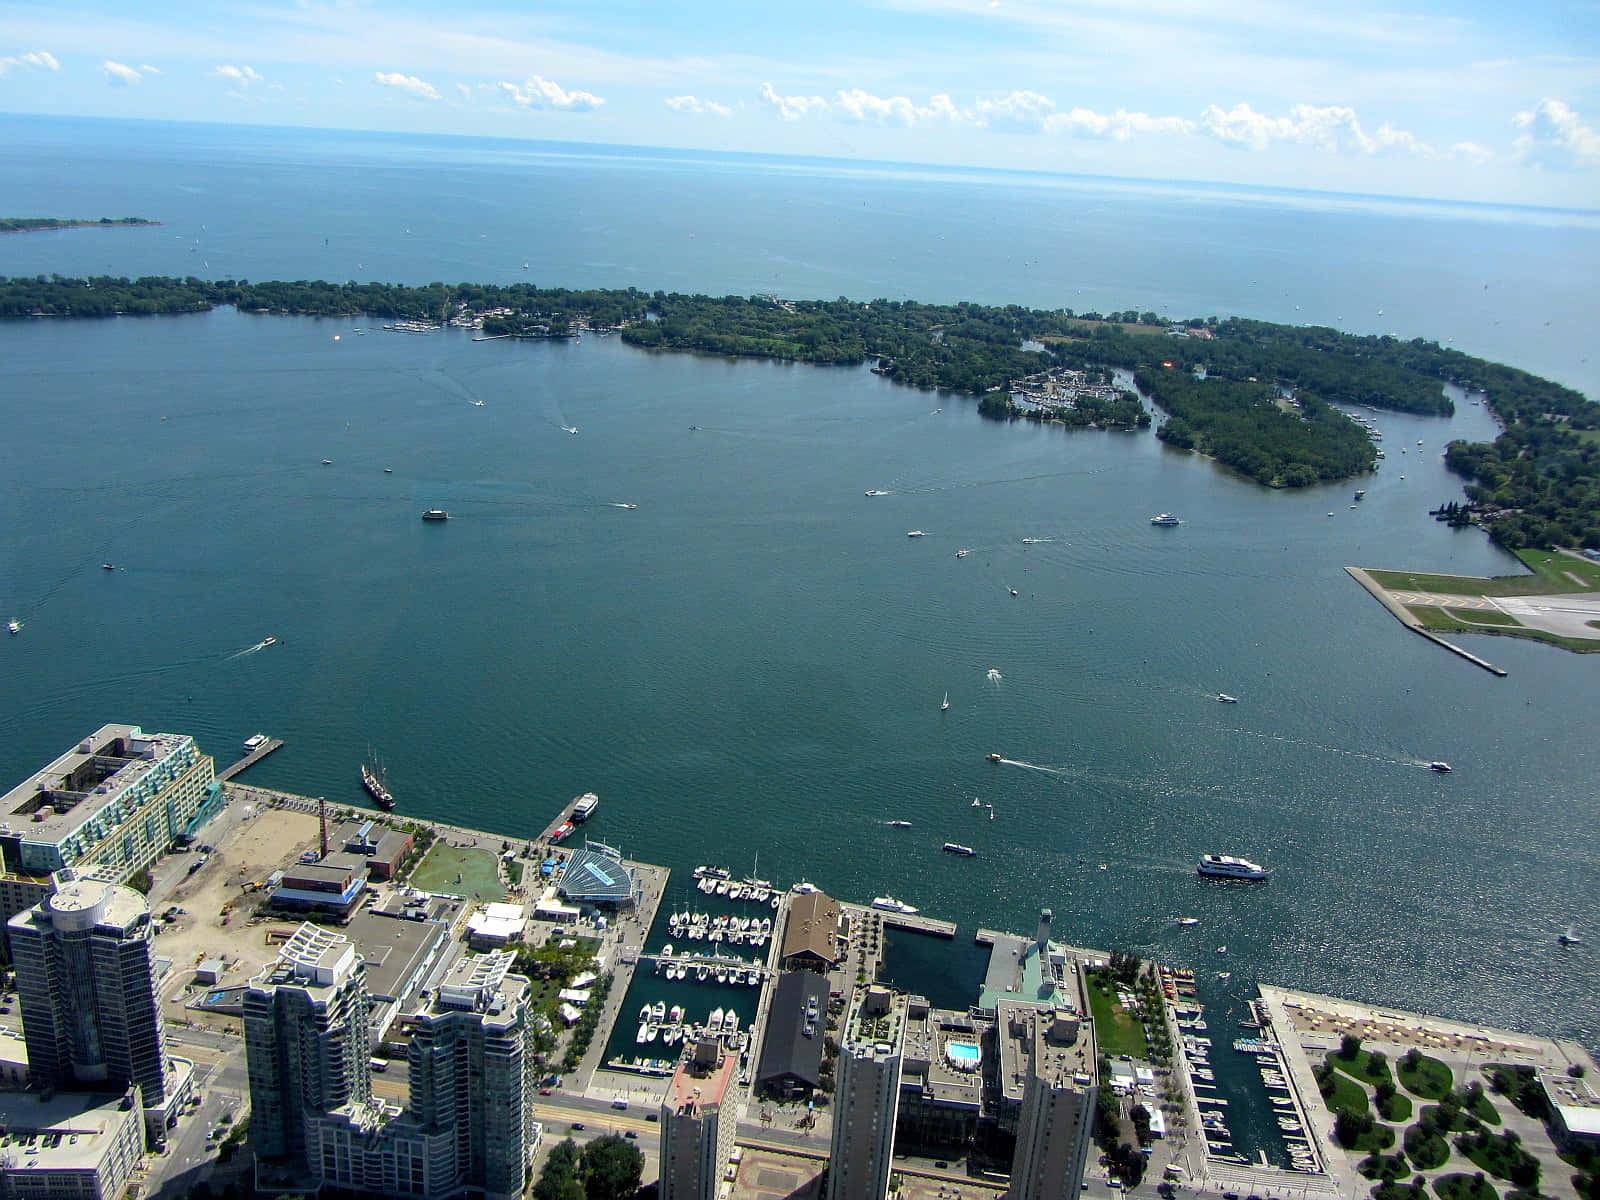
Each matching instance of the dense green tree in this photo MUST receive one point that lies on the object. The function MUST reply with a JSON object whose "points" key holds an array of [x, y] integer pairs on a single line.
{"points": [[611, 1168]]}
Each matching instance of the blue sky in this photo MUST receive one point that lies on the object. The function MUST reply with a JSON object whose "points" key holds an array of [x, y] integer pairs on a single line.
{"points": [[1467, 100]]}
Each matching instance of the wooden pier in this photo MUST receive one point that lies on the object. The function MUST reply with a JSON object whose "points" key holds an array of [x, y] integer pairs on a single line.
{"points": [[250, 760], [915, 923]]}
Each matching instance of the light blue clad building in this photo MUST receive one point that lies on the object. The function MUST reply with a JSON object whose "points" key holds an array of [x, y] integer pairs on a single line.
{"points": [[115, 802]]}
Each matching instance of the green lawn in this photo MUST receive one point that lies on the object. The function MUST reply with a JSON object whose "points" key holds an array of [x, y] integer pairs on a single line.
{"points": [[1343, 1094], [1117, 1031], [1482, 616], [1397, 1110], [1439, 620], [1426, 1150], [461, 872], [1360, 1067], [1502, 1157], [1385, 1167], [1430, 1078], [1464, 1187], [1552, 573]]}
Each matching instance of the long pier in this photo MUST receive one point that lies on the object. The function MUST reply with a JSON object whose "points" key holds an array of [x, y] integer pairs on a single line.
{"points": [[1410, 621], [250, 760], [914, 922]]}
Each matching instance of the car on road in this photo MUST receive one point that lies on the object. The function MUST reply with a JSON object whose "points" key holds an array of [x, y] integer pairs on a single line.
{"points": [[632, 1133], [547, 1091], [576, 1126], [652, 1117]]}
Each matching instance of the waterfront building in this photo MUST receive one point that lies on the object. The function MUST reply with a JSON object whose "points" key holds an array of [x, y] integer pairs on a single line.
{"points": [[70, 1146], [811, 933], [867, 1096], [117, 801], [86, 979], [1053, 1084], [699, 1118], [791, 1047], [596, 874], [943, 1076], [332, 886], [306, 1041], [383, 848]]}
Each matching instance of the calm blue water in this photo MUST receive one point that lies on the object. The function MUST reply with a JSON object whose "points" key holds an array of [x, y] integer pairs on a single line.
{"points": [[752, 660]]}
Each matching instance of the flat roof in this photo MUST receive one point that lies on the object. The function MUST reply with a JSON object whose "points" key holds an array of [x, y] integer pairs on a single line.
{"points": [[785, 1048], [391, 949], [693, 1089], [812, 927], [92, 775], [70, 1131]]}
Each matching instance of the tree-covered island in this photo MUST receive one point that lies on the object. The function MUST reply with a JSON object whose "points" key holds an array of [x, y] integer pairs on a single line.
{"points": [[1269, 401], [36, 224]]}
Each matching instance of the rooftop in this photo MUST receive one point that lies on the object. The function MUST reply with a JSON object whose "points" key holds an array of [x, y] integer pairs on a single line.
{"points": [[312, 956], [596, 873], [70, 1131], [876, 1025], [391, 949], [695, 1087], [812, 926], [51, 803]]}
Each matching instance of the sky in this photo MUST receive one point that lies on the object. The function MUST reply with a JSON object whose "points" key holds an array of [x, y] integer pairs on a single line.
{"points": [[1474, 100]]}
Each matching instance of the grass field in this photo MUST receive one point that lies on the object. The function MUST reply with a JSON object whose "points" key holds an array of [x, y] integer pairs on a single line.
{"points": [[1431, 1079], [461, 872], [1345, 1095], [1118, 1031], [1552, 574]]}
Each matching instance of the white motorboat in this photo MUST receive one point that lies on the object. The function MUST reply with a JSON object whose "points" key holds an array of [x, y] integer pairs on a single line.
{"points": [[1224, 698], [1226, 866], [915, 533], [13, 626], [890, 904]]}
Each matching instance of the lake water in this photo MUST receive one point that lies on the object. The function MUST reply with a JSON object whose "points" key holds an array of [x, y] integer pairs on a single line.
{"points": [[751, 661]]}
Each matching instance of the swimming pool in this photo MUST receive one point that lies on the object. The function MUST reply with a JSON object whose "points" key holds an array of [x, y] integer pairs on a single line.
{"points": [[963, 1056]]}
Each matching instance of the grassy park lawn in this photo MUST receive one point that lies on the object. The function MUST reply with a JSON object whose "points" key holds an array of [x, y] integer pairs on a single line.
{"points": [[1439, 620], [1361, 1067], [1424, 1076], [460, 872], [1342, 1094], [1478, 616], [1396, 1110], [1118, 1031], [1464, 1187], [1501, 1156], [1426, 1150], [1552, 574], [1385, 1167]]}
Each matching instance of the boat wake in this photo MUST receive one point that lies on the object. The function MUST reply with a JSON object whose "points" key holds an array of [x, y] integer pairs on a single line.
{"points": [[1309, 745], [1060, 772], [261, 645]]}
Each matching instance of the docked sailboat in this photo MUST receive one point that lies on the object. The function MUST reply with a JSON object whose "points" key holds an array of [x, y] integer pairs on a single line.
{"points": [[375, 782]]}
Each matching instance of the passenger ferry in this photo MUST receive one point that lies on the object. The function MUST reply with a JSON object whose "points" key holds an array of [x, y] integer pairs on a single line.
{"points": [[435, 514], [1225, 866], [957, 848], [584, 808], [1165, 519]]}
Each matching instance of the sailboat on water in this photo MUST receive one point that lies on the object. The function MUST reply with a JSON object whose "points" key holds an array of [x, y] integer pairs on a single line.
{"points": [[946, 703], [376, 782]]}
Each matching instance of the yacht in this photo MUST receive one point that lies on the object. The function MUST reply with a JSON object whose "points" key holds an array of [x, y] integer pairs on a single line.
{"points": [[900, 824], [876, 492], [914, 533], [1165, 519], [957, 848], [13, 626], [1030, 541], [269, 641], [946, 702], [1187, 921], [995, 757], [890, 904], [962, 553], [1442, 767], [1225, 866], [1569, 937], [435, 514], [108, 566], [1224, 698]]}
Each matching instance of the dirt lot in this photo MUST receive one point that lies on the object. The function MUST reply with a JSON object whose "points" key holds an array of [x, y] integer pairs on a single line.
{"points": [[248, 852]]}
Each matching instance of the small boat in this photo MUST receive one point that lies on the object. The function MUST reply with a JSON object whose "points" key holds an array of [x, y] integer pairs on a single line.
{"points": [[269, 641], [900, 824], [1441, 767], [435, 514], [976, 803], [327, 462], [570, 428], [957, 848], [108, 566], [1165, 519], [1224, 698], [388, 470], [13, 626], [374, 783], [1569, 937], [890, 904], [946, 703], [1014, 592], [915, 533], [1361, 494], [1187, 921], [962, 553], [1031, 541], [1224, 974], [995, 758], [876, 492]]}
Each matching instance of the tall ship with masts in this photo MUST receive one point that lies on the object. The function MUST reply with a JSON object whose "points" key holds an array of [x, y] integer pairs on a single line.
{"points": [[376, 783]]}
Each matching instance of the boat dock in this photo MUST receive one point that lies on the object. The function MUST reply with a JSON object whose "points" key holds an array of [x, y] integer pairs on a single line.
{"points": [[915, 923], [250, 760]]}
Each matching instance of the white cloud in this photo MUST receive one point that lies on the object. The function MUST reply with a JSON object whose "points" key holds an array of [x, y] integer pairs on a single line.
{"points": [[149, 70], [1555, 136], [793, 108], [120, 74], [410, 84], [243, 76], [1471, 152], [1019, 112], [538, 92], [865, 108], [34, 58], [1118, 126], [1329, 127], [465, 90], [693, 104]]}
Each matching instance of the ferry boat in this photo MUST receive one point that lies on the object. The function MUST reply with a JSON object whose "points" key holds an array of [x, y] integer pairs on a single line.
{"points": [[435, 514], [890, 904], [1165, 519], [1226, 866], [957, 848], [584, 808], [254, 742], [374, 785]]}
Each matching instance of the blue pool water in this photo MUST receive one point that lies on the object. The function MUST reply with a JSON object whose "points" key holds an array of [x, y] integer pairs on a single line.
{"points": [[963, 1054]]}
